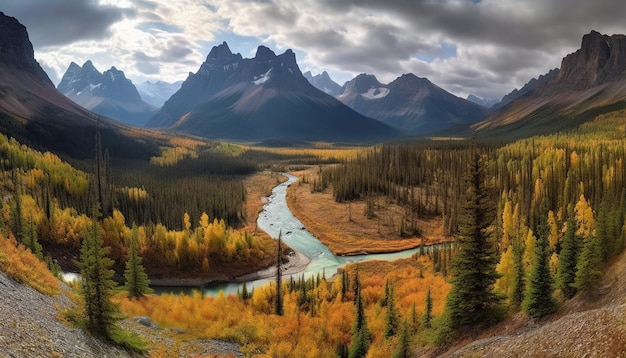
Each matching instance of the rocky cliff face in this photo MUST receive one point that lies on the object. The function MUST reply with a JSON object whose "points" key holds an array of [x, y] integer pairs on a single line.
{"points": [[16, 50], [590, 81], [530, 86], [601, 59]]}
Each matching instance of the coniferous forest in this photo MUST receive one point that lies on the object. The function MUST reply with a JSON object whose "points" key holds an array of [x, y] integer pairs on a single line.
{"points": [[535, 223]]}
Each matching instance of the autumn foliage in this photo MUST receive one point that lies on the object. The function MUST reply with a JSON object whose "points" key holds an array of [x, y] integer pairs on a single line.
{"points": [[314, 322], [22, 265]]}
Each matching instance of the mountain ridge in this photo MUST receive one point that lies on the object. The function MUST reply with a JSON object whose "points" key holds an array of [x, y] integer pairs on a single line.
{"points": [[261, 98], [35, 113], [322, 81], [591, 80], [109, 94], [410, 103]]}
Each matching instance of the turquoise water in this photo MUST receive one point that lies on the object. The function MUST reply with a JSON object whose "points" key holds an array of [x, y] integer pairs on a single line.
{"points": [[276, 218]]}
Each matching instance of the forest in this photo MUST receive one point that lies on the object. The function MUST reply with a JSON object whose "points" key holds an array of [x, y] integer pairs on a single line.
{"points": [[547, 213]]}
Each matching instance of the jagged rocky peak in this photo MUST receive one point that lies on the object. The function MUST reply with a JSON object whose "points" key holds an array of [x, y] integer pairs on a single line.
{"points": [[409, 79], [16, 50], [363, 83], [264, 54], [77, 78], [219, 52], [600, 59]]}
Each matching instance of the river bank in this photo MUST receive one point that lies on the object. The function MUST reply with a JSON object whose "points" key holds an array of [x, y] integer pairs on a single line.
{"points": [[297, 263], [345, 229], [310, 255]]}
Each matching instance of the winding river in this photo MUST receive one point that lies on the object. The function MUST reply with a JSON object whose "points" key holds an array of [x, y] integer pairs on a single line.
{"points": [[276, 218]]}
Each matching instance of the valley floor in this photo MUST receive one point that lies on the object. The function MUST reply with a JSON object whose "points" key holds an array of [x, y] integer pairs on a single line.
{"points": [[346, 230]]}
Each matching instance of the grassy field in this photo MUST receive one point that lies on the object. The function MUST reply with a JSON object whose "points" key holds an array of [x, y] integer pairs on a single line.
{"points": [[346, 230]]}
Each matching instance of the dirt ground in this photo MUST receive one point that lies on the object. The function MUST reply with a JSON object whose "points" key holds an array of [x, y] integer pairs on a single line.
{"points": [[346, 230]]}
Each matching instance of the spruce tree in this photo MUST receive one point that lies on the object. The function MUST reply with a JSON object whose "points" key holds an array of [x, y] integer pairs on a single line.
{"points": [[402, 349], [385, 298], [428, 310], [360, 333], [472, 298], [31, 239], [97, 283], [538, 300], [519, 278], [391, 317], [278, 306], [17, 225], [588, 268], [137, 282], [568, 258]]}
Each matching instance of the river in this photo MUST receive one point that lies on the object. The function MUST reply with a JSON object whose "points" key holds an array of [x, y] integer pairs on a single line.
{"points": [[275, 219]]}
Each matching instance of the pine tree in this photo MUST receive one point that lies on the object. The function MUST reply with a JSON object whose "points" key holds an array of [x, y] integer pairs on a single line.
{"points": [[385, 298], [245, 294], [519, 274], [391, 317], [97, 283], [278, 306], [568, 258], [538, 300], [345, 283], [137, 281], [17, 224], [472, 298], [360, 333], [588, 268], [402, 349], [31, 239], [428, 310]]}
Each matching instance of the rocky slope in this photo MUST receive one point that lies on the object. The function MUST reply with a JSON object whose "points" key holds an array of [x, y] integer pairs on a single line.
{"points": [[30, 326], [583, 327], [591, 80]]}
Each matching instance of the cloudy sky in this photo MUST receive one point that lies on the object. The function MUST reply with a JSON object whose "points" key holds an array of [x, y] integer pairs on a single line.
{"points": [[481, 47]]}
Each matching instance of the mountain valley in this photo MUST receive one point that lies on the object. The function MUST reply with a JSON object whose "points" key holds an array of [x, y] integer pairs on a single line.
{"points": [[503, 222]]}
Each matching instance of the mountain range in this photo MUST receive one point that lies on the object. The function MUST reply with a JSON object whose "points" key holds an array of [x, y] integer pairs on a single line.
{"points": [[260, 98], [108, 94], [268, 97], [322, 81], [590, 81], [409, 103], [34, 112]]}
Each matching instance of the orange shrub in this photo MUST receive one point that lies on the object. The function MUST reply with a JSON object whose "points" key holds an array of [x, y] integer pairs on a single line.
{"points": [[22, 265]]}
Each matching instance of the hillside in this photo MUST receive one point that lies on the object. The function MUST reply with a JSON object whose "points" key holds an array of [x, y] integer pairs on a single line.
{"points": [[30, 326], [590, 81], [584, 327], [36, 114]]}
